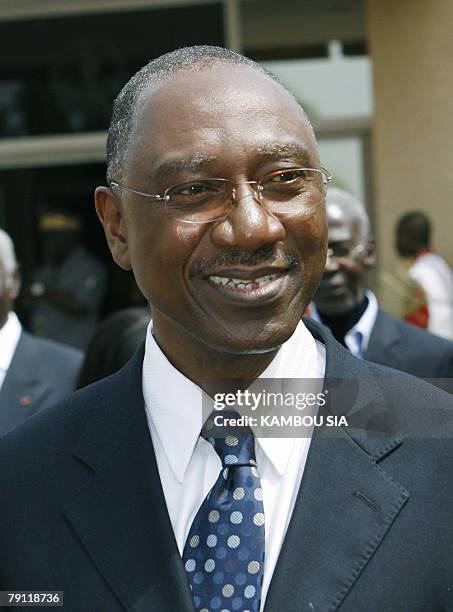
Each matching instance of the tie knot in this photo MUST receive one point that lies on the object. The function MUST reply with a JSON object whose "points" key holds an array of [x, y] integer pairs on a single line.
{"points": [[235, 450]]}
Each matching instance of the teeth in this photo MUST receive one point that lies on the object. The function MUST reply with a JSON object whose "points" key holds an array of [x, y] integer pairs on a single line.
{"points": [[219, 280], [240, 283]]}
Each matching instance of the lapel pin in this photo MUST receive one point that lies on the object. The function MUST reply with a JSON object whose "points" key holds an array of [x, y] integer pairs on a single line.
{"points": [[25, 400]]}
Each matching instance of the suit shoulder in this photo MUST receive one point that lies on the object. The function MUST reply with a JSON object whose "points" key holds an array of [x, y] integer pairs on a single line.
{"points": [[397, 344], [49, 348], [51, 430], [422, 335], [406, 390]]}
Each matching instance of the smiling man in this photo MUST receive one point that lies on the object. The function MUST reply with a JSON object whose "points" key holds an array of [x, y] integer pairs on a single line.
{"points": [[215, 199], [227, 263]]}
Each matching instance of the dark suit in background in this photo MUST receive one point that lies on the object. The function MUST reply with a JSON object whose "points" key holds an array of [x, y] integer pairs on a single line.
{"points": [[405, 347], [41, 373], [370, 529]]}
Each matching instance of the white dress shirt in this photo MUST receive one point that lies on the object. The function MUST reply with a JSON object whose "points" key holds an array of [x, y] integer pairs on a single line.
{"points": [[9, 337], [188, 464]]}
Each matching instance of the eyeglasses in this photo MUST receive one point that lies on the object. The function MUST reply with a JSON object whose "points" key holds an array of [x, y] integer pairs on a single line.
{"points": [[291, 191]]}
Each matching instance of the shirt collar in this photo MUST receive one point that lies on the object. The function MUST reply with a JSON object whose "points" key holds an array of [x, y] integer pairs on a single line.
{"points": [[174, 403], [9, 337], [297, 358], [364, 327]]}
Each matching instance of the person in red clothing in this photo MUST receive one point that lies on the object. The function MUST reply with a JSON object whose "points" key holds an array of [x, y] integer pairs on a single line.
{"points": [[430, 271]]}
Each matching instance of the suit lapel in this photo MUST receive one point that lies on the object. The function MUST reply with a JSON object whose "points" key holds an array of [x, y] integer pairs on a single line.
{"points": [[120, 515], [344, 508], [345, 505], [384, 340], [22, 391]]}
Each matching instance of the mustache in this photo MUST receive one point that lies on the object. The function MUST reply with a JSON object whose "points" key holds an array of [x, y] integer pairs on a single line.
{"points": [[263, 255]]}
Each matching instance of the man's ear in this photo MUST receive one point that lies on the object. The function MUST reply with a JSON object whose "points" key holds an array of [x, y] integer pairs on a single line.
{"points": [[108, 209], [16, 283], [370, 253]]}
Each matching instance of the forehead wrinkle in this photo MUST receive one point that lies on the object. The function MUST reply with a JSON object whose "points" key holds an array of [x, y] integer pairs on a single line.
{"points": [[282, 150], [184, 164], [195, 161]]}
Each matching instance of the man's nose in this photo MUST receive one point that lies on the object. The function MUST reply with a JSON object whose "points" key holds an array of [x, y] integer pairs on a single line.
{"points": [[249, 225], [332, 264]]}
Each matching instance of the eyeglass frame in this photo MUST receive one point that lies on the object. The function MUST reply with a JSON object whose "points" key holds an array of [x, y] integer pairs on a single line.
{"points": [[326, 175]]}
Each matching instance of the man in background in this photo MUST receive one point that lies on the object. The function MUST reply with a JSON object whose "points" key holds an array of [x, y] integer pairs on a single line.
{"points": [[34, 373], [69, 285], [352, 312], [428, 269]]}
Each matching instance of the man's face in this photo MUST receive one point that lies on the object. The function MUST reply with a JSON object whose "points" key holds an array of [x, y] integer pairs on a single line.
{"points": [[230, 123], [405, 244], [342, 286], [8, 291], [3, 291]]}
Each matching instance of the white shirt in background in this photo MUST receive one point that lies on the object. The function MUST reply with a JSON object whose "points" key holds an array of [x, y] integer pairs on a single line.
{"points": [[9, 337], [358, 337], [435, 276], [189, 466]]}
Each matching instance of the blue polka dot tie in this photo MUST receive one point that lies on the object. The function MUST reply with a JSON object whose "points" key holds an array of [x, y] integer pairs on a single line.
{"points": [[224, 551]]}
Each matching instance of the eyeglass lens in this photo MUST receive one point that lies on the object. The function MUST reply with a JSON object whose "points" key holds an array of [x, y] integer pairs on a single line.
{"points": [[292, 191]]}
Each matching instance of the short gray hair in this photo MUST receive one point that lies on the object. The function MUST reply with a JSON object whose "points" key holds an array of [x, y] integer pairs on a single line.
{"points": [[344, 199], [7, 254], [187, 58]]}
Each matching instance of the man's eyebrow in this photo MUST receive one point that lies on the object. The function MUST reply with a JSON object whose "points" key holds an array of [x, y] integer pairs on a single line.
{"points": [[195, 161], [183, 164], [280, 150]]}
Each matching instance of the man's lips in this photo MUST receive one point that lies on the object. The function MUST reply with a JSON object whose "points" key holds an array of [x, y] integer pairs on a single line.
{"points": [[246, 273], [238, 284], [249, 285]]}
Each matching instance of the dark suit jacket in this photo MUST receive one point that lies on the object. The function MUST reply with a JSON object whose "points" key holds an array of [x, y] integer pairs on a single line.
{"points": [[405, 347], [83, 510], [41, 373]]}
